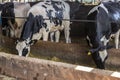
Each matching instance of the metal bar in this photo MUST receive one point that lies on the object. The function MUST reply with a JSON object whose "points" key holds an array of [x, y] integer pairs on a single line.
{"points": [[72, 20]]}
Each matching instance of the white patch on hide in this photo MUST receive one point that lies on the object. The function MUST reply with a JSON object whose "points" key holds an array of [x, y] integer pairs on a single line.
{"points": [[104, 40], [102, 6], [103, 54], [117, 34], [116, 15], [93, 10]]}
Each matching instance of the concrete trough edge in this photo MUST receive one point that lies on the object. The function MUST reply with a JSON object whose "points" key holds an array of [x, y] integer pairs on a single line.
{"points": [[8, 61]]}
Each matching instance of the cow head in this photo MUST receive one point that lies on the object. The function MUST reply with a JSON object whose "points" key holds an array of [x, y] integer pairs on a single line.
{"points": [[99, 57], [29, 34], [23, 45], [99, 46], [23, 48]]}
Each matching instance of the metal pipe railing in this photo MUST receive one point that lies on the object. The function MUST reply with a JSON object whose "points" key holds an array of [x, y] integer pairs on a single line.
{"points": [[72, 20]]}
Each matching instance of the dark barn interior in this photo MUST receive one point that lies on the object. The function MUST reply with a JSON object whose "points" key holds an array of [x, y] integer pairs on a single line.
{"points": [[77, 27]]}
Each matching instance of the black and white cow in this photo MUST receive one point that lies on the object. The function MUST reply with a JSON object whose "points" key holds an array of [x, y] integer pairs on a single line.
{"points": [[38, 25], [107, 17], [12, 27], [74, 9]]}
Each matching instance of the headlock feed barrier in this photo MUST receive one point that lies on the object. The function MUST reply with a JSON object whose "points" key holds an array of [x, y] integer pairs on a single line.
{"points": [[38, 69], [72, 20]]}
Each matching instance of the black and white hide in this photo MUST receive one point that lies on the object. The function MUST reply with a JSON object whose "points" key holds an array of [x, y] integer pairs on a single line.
{"points": [[107, 17], [1, 37], [11, 24], [74, 9], [40, 26], [1, 7]]}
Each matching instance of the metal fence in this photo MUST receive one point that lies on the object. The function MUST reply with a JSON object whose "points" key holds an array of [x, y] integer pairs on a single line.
{"points": [[81, 1], [72, 20]]}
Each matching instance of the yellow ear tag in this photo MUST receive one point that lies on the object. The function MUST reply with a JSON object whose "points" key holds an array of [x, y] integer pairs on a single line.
{"points": [[89, 53]]}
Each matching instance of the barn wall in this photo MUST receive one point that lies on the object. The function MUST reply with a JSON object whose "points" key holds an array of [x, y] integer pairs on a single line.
{"points": [[37, 69]]}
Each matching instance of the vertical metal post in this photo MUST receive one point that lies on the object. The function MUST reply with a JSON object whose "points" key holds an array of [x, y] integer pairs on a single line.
{"points": [[11, 0], [81, 1]]}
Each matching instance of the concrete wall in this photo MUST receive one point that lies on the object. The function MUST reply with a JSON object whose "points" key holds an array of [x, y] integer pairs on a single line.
{"points": [[37, 69]]}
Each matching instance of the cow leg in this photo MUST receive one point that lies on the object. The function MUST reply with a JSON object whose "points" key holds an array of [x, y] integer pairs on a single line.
{"points": [[45, 36], [12, 33], [52, 36], [12, 27], [67, 31], [117, 39], [8, 32], [57, 36]]}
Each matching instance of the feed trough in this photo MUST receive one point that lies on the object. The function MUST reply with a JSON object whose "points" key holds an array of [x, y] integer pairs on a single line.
{"points": [[67, 57]]}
